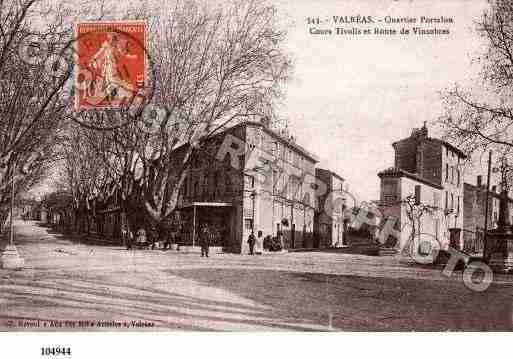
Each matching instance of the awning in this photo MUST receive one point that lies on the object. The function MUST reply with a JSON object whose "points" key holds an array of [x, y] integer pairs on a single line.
{"points": [[208, 204], [194, 205]]}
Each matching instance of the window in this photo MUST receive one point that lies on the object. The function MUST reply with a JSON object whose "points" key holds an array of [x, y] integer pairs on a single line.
{"points": [[446, 172], [446, 200], [249, 181], [227, 183], [248, 223], [452, 174], [295, 188], [452, 200], [436, 200], [458, 205], [389, 192], [205, 184], [215, 182]]}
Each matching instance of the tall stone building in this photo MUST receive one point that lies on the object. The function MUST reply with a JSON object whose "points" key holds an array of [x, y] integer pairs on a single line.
{"points": [[329, 224], [249, 178], [430, 171]]}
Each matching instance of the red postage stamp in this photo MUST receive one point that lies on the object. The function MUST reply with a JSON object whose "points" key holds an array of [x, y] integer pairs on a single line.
{"points": [[110, 63]]}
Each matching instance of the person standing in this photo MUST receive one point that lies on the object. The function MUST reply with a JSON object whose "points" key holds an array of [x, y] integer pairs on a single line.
{"points": [[204, 241], [251, 242]]}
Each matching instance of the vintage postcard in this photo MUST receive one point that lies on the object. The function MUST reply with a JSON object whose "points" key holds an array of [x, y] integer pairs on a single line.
{"points": [[243, 165]]}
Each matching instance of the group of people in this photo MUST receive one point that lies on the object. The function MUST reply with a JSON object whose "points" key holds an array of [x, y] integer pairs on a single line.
{"points": [[150, 239], [207, 236], [252, 241]]}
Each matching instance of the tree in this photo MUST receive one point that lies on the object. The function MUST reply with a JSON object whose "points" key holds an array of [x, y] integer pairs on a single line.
{"points": [[482, 118], [85, 171], [31, 92], [212, 66]]}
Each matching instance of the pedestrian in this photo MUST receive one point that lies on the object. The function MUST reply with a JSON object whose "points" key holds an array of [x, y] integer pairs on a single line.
{"points": [[128, 237], [279, 234], [251, 242], [204, 241], [153, 234]]}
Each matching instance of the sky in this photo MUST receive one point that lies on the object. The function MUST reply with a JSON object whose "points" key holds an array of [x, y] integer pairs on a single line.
{"points": [[351, 97]]}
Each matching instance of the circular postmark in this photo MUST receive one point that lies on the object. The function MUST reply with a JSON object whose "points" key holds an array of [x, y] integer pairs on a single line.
{"points": [[114, 74], [110, 68]]}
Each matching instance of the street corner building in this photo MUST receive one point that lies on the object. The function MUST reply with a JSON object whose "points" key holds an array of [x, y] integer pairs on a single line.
{"points": [[248, 178], [329, 230], [430, 171]]}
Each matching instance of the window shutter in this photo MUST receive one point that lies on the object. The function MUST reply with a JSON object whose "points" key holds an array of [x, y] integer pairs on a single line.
{"points": [[417, 194]]}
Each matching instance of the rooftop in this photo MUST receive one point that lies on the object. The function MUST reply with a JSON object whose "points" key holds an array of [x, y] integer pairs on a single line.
{"points": [[287, 140], [422, 133], [332, 173], [397, 172]]}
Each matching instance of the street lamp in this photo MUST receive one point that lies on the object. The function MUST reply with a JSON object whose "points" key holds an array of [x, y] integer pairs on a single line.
{"points": [[10, 258]]}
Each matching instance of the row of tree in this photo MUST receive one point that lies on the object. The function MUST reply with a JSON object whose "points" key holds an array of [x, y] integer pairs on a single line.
{"points": [[31, 102], [210, 66]]}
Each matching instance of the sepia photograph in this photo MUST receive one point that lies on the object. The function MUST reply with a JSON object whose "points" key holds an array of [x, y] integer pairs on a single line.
{"points": [[255, 166]]}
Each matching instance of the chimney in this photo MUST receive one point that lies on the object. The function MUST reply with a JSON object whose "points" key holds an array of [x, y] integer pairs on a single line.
{"points": [[424, 130], [420, 133], [479, 181]]}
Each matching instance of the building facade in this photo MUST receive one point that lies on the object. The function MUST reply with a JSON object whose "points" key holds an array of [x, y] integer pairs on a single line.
{"points": [[428, 171], [330, 225], [474, 214], [247, 179]]}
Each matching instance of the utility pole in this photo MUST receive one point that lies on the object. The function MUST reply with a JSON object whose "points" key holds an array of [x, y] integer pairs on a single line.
{"points": [[11, 239], [485, 244]]}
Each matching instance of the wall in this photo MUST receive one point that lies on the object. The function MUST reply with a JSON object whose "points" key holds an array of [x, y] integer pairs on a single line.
{"points": [[286, 193], [431, 168], [434, 223], [453, 188], [405, 154], [323, 222], [213, 180]]}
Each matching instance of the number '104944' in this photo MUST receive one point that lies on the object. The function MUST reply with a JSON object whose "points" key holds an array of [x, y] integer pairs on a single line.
{"points": [[52, 351]]}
